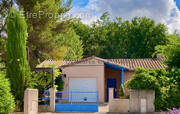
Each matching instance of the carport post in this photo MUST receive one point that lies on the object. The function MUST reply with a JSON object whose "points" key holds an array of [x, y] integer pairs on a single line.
{"points": [[52, 77], [122, 77]]}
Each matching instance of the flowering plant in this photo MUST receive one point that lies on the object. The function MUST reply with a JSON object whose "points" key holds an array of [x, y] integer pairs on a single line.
{"points": [[174, 111]]}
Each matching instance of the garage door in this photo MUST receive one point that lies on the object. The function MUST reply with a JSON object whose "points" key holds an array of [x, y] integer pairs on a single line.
{"points": [[80, 85]]}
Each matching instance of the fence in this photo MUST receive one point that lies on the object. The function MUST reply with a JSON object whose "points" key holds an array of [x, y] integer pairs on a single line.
{"points": [[77, 101], [45, 98]]}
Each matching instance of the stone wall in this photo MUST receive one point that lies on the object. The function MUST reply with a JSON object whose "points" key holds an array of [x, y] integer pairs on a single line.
{"points": [[142, 101]]}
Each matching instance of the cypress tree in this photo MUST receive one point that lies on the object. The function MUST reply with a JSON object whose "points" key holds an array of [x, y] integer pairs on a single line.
{"points": [[17, 65]]}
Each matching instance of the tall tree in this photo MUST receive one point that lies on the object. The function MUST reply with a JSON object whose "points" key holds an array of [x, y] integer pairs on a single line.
{"points": [[45, 21], [17, 64]]}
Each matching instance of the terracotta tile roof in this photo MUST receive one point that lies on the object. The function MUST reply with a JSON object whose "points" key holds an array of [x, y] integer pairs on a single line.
{"points": [[50, 63], [130, 64]]}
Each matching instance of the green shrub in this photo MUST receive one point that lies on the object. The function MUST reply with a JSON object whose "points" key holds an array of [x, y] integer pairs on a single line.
{"points": [[164, 82], [142, 80], [121, 91], [40, 80], [174, 75], [6, 99]]}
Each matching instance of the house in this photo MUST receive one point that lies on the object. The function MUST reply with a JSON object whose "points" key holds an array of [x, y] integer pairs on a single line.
{"points": [[97, 74]]}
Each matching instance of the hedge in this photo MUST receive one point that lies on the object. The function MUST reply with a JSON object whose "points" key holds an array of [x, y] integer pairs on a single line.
{"points": [[6, 99]]}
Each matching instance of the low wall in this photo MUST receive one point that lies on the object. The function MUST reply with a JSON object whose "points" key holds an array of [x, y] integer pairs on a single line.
{"points": [[119, 105], [141, 101]]}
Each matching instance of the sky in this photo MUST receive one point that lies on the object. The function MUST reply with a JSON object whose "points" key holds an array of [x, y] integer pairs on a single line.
{"points": [[163, 11]]}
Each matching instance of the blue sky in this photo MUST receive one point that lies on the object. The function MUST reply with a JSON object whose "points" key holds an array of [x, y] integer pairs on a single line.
{"points": [[80, 3], [177, 3], [164, 11], [83, 3]]}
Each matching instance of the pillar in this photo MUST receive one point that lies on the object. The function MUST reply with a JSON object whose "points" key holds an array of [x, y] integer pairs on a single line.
{"points": [[122, 77], [31, 101], [52, 99]]}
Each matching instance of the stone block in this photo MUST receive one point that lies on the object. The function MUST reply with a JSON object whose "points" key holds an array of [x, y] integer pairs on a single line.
{"points": [[31, 101]]}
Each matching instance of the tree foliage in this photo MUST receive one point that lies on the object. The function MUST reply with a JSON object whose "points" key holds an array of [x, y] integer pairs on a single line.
{"points": [[47, 23], [171, 51], [2, 45], [4, 10], [17, 64], [116, 39], [46, 20], [7, 103], [72, 45], [40, 80]]}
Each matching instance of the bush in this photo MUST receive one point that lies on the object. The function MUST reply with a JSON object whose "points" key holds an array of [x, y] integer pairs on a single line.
{"points": [[121, 91], [174, 75], [6, 99], [142, 80], [164, 82], [42, 81]]}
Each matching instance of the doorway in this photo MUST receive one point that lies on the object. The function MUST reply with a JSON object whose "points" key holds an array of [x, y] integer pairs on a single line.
{"points": [[111, 83]]}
